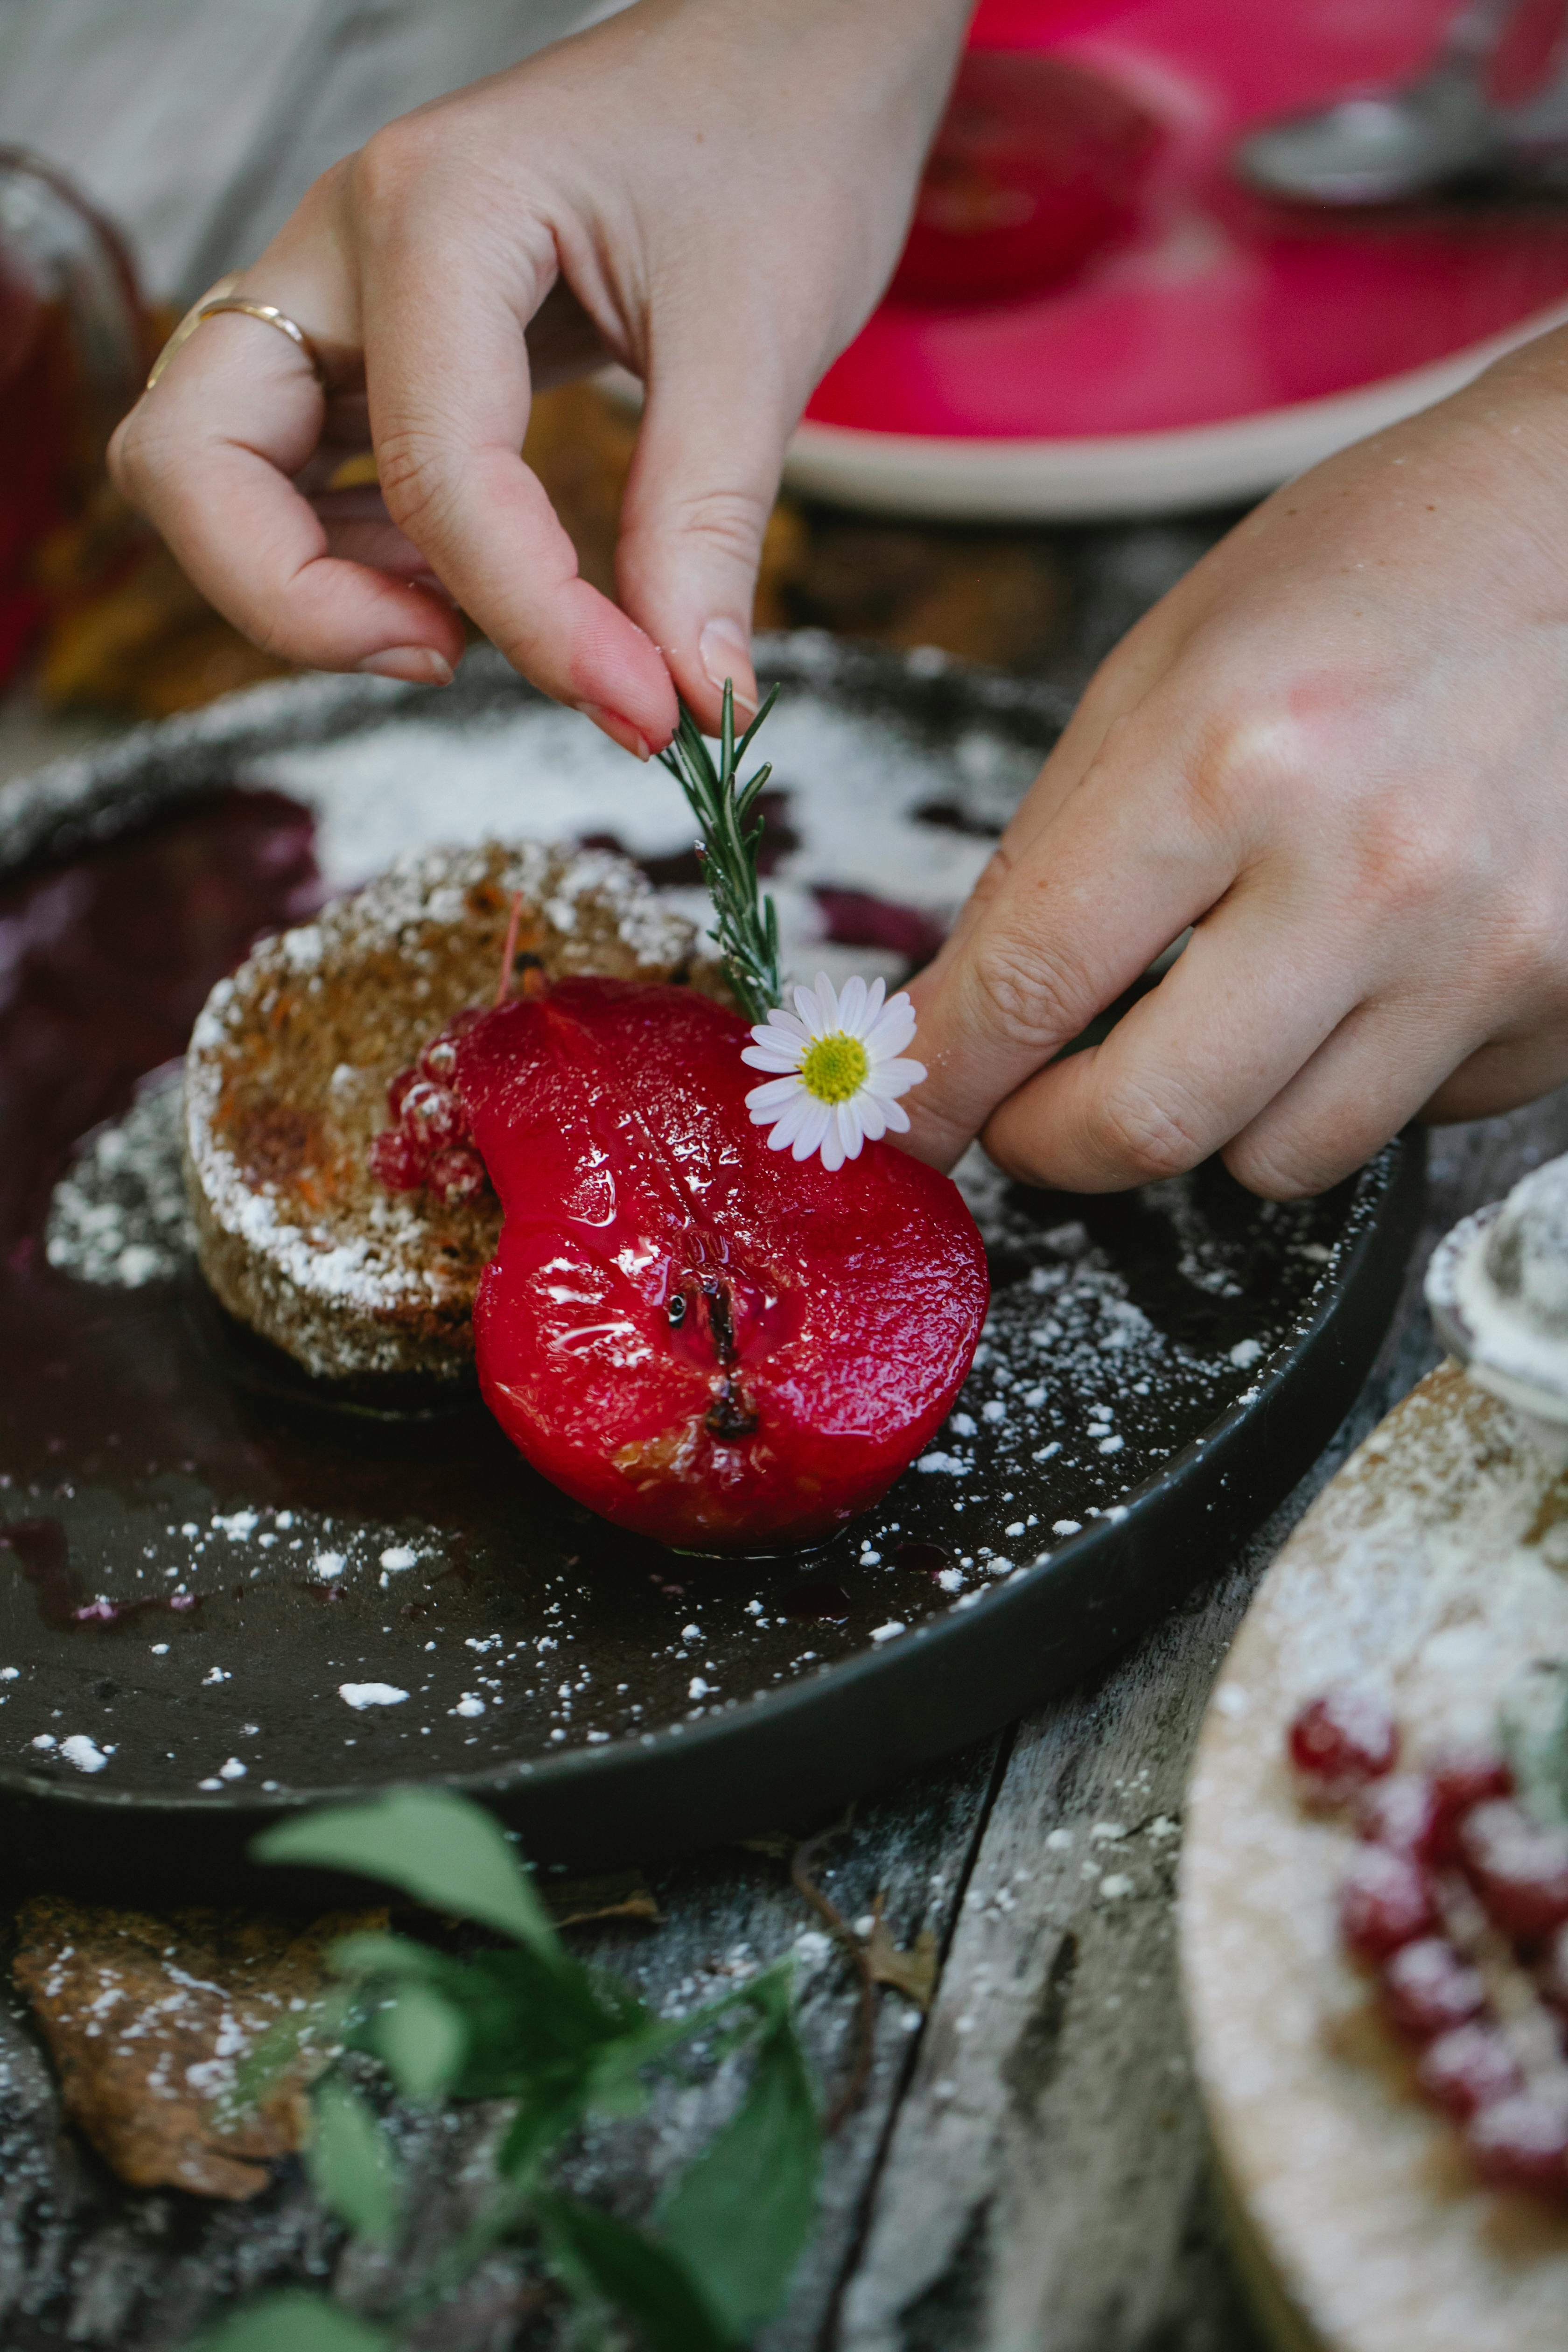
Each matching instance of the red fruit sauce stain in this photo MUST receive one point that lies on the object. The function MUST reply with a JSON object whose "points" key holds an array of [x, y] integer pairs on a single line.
{"points": [[107, 960], [42, 1554], [703, 1339]]}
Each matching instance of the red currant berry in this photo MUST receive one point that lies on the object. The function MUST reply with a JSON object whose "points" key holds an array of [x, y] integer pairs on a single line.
{"points": [[1385, 1902], [433, 1115], [1519, 1869], [457, 1175], [1401, 1812], [1428, 1987], [439, 1059], [1458, 1783], [1522, 2142], [397, 1161], [1554, 1971], [1343, 1738], [1468, 2069], [397, 1091]]}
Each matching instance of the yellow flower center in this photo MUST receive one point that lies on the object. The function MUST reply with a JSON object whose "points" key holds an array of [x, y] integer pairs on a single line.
{"points": [[835, 1068]]}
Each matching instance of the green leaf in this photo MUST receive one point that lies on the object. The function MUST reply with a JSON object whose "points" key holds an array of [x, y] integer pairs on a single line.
{"points": [[594, 2254], [438, 1848], [741, 2215], [297, 2322], [304, 2041], [420, 2039], [538, 2124], [393, 1956], [351, 2160]]}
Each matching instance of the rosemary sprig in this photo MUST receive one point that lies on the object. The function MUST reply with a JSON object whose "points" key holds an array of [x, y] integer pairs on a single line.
{"points": [[747, 930]]}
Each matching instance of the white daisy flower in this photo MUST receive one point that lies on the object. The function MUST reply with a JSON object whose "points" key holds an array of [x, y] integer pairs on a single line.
{"points": [[837, 1069]]}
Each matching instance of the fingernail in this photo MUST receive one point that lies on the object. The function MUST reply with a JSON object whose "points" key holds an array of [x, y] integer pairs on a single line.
{"points": [[619, 730], [725, 653], [415, 664]]}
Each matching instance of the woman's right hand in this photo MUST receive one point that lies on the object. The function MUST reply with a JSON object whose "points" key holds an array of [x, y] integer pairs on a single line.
{"points": [[712, 194]]}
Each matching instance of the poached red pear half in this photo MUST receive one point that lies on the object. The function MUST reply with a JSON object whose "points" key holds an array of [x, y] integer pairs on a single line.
{"points": [[705, 1340]]}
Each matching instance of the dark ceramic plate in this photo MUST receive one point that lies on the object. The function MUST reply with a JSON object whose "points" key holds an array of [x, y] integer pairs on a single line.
{"points": [[222, 1598]]}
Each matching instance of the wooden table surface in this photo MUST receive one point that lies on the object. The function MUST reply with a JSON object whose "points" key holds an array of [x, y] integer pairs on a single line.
{"points": [[1026, 2169]]}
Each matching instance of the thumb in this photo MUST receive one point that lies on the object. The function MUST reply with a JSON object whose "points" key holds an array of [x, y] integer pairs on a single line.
{"points": [[701, 488]]}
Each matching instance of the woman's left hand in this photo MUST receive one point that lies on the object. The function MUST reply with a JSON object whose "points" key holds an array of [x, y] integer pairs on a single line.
{"points": [[1339, 749]]}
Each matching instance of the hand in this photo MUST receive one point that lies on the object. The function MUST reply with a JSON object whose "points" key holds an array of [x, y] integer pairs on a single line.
{"points": [[1339, 749], [711, 193]]}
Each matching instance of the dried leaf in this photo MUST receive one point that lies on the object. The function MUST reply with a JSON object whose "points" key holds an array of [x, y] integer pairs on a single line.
{"points": [[613, 1894], [912, 1972], [149, 2020]]}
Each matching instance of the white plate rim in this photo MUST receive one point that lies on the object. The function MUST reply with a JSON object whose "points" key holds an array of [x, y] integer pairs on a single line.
{"points": [[949, 477]]}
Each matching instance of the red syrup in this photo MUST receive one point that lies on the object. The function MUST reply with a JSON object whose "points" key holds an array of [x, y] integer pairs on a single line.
{"points": [[43, 1555], [703, 1339], [107, 960], [110, 1397]]}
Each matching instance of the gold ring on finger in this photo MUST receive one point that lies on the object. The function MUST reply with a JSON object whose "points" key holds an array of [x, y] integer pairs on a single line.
{"points": [[220, 301]]}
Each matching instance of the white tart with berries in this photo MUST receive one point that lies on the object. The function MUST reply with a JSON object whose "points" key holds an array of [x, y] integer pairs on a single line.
{"points": [[1374, 1902]]}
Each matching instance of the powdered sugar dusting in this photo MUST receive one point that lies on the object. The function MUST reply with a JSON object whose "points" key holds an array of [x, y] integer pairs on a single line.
{"points": [[119, 1214]]}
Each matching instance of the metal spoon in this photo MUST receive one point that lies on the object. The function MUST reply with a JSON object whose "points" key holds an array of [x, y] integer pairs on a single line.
{"points": [[1383, 149]]}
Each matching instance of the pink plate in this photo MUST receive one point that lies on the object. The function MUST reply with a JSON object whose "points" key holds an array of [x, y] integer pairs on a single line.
{"points": [[1094, 316]]}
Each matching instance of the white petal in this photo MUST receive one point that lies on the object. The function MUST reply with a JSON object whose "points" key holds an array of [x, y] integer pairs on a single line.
{"points": [[886, 1080], [874, 996], [897, 1117], [827, 1004], [812, 1128], [832, 1149], [810, 1012], [892, 1031], [850, 1134], [852, 1007], [873, 1115], [779, 1022], [781, 1057], [775, 1095], [790, 1121]]}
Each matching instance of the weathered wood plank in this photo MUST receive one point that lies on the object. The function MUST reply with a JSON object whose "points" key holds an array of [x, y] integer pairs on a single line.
{"points": [[1045, 2184]]}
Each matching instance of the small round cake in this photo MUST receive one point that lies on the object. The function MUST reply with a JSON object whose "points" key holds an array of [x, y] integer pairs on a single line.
{"points": [[288, 1081]]}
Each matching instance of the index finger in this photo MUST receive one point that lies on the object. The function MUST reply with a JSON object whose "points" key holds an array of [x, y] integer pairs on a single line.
{"points": [[446, 370], [1092, 897]]}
